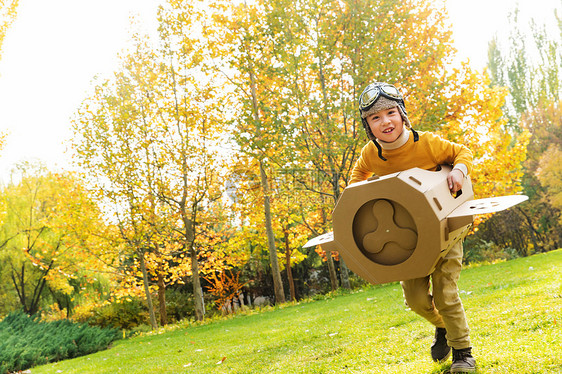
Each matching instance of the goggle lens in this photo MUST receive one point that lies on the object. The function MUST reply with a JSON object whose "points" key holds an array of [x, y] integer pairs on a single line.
{"points": [[369, 96], [391, 91], [372, 93]]}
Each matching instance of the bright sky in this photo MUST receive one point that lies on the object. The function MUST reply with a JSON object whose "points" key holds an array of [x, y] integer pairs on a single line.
{"points": [[50, 55], [55, 48]]}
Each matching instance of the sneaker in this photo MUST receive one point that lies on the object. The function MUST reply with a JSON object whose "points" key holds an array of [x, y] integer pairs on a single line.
{"points": [[440, 351], [463, 362]]}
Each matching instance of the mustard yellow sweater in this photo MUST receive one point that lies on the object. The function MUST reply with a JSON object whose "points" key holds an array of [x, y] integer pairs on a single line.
{"points": [[427, 153]]}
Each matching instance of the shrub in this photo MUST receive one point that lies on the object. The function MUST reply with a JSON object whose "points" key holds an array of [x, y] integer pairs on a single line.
{"points": [[478, 250], [26, 341], [179, 305], [125, 314]]}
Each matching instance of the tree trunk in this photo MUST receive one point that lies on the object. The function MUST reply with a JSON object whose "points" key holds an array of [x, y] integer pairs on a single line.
{"points": [[532, 230], [162, 299], [288, 267], [329, 258], [344, 272], [153, 323], [332, 271], [344, 275], [277, 282], [197, 290], [20, 291], [33, 306], [195, 278]]}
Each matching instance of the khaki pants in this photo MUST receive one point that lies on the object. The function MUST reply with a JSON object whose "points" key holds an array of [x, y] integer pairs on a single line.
{"points": [[443, 308]]}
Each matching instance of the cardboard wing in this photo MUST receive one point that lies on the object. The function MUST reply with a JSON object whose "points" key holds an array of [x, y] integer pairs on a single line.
{"points": [[398, 227], [487, 205]]}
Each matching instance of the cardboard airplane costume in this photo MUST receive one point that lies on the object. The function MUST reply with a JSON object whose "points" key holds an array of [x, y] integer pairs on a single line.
{"points": [[398, 226]]}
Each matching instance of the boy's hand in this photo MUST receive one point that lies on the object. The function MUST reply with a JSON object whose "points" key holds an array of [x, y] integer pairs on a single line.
{"points": [[455, 180]]}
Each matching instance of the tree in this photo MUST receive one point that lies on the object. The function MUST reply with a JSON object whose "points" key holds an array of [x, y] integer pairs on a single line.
{"points": [[513, 70], [292, 231], [239, 39], [157, 129], [251, 234], [113, 142], [49, 242], [188, 175], [532, 105], [550, 175], [191, 123]]}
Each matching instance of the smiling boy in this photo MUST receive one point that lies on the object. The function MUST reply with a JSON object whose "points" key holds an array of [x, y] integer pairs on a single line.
{"points": [[392, 149]]}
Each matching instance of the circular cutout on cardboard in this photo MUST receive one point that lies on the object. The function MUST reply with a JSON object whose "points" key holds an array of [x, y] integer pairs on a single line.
{"points": [[385, 232]]}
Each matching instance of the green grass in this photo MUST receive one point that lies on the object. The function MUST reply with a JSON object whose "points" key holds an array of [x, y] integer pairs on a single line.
{"points": [[514, 310]]}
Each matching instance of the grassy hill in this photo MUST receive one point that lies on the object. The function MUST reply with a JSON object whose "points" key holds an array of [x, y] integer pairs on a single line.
{"points": [[514, 310]]}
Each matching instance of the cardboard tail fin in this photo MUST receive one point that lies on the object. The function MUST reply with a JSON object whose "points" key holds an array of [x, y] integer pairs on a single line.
{"points": [[326, 241]]}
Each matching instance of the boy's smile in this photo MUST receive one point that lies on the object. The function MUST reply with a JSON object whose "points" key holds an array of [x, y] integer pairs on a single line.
{"points": [[386, 125]]}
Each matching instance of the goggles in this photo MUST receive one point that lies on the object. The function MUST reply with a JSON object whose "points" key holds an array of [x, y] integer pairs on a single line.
{"points": [[374, 90]]}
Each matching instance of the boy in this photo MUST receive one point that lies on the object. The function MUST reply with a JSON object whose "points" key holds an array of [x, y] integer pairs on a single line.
{"points": [[392, 149]]}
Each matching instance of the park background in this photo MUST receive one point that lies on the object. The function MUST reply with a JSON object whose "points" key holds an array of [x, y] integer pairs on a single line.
{"points": [[216, 140]]}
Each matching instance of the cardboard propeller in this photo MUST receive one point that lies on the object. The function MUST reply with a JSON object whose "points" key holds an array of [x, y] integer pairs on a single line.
{"points": [[397, 227]]}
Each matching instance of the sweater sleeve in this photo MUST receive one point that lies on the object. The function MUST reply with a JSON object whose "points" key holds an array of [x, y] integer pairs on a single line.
{"points": [[361, 170], [446, 152]]}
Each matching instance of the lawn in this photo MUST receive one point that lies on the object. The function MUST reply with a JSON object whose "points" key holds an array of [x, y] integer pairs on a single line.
{"points": [[514, 310]]}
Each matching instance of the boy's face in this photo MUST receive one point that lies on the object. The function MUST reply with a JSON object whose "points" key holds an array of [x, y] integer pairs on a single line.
{"points": [[386, 125]]}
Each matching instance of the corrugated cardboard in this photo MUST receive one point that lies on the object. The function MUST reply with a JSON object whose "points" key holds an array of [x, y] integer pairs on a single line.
{"points": [[399, 226]]}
